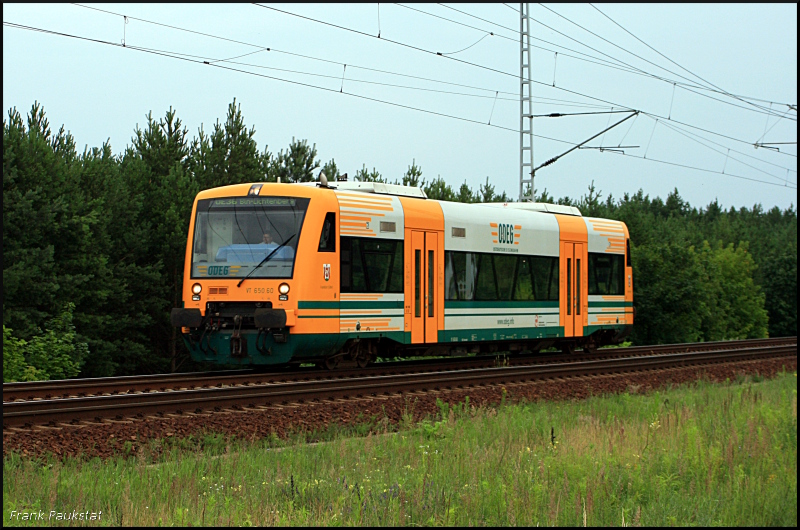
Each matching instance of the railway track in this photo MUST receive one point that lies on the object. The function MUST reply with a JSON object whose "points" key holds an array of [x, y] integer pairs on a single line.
{"points": [[372, 384], [72, 388]]}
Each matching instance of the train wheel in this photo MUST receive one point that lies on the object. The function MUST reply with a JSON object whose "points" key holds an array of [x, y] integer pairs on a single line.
{"points": [[331, 363], [568, 348], [362, 361]]}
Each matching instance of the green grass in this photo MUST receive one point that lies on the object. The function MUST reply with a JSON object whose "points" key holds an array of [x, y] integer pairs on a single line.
{"points": [[702, 454]]}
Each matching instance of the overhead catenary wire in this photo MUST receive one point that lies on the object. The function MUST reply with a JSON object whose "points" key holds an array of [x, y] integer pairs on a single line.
{"points": [[626, 132], [677, 127], [627, 67], [592, 59], [633, 69], [685, 166], [339, 63], [470, 46], [650, 62], [653, 115], [610, 103], [492, 113], [759, 143], [669, 126], [596, 60], [720, 90], [216, 65]]}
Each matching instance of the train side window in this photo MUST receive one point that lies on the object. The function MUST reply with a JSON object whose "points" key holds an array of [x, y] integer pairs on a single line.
{"points": [[450, 281], [327, 239], [346, 265], [396, 276], [487, 286], [459, 275], [359, 284], [371, 266], [545, 278], [505, 267], [523, 287], [606, 274]]}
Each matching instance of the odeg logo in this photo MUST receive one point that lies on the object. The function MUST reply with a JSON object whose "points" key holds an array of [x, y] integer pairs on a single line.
{"points": [[505, 234]]}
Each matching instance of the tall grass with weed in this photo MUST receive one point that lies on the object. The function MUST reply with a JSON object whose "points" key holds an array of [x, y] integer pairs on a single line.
{"points": [[698, 455]]}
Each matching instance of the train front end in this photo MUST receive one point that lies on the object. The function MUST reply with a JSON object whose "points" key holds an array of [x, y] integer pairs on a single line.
{"points": [[246, 258]]}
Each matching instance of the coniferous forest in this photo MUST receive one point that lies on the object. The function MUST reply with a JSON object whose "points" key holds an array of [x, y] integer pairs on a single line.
{"points": [[94, 243]]}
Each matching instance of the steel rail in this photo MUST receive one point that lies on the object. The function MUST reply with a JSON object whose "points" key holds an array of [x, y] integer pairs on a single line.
{"points": [[131, 405], [163, 382]]}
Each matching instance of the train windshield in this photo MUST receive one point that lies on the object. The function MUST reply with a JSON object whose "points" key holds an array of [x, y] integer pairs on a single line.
{"points": [[233, 236]]}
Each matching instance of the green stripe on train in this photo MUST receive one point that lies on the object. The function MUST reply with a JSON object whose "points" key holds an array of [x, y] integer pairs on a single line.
{"points": [[506, 315], [471, 304], [588, 330], [486, 334], [610, 304], [346, 316]]}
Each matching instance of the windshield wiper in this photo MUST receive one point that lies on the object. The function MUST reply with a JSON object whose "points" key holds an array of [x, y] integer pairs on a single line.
{"points": [[266, 259]]}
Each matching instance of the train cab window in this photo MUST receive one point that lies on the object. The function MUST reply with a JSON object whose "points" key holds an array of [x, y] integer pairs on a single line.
{"points": [[247, 237], [606, 274], [327, 239]]}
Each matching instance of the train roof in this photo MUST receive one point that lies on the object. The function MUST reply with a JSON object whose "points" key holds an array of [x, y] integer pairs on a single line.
{"points": [[374, 187], [416, 192], [537, 207]]}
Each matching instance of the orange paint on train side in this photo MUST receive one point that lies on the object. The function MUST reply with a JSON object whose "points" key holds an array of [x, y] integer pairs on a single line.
{"points": [[628, 278], [573, 255], [424, 232]]}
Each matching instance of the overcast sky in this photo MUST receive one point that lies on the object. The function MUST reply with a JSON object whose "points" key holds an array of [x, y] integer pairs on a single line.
{"points": [[700, 56]]}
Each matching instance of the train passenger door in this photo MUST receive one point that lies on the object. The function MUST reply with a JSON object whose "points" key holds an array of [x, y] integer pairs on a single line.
{"points": [[573, 288], [423, 289]]}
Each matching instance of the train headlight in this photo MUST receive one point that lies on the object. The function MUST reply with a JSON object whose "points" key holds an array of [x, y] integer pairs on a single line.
{"points": [[197, 288], [283, 288]]}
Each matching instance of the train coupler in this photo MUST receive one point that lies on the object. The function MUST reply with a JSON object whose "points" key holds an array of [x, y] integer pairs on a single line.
{"points": [[238, 345]]}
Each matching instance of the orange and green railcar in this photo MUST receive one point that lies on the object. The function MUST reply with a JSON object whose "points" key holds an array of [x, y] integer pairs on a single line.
{"points": [[290, 273]]}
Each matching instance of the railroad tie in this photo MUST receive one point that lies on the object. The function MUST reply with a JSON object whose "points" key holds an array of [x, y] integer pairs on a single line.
{"points": [[46, 428]]}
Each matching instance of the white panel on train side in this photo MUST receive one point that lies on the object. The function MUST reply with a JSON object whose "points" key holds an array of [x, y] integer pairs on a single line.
{"points": [[496, 230], [370, 215], [605, 235]]}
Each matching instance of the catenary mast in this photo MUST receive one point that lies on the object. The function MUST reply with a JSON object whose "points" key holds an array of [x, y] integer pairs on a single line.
{"points": [[525, 108]]}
